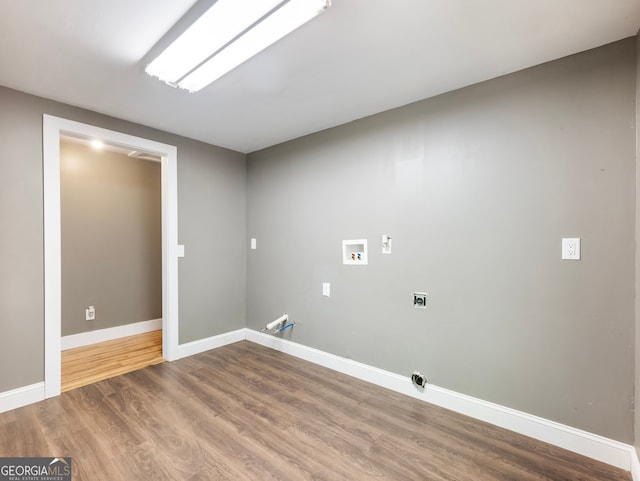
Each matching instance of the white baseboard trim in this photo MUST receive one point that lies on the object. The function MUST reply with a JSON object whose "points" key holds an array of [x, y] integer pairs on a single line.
{"points": [[22, 396], [597, 447], [202, 345], [594, 446], [635, 465], [109, 334]]}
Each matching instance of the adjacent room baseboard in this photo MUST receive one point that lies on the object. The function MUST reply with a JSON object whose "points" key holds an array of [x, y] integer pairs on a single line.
{"points": [[25, 395], [597, 447], [22, 396], [109, 334], [202, 345]]}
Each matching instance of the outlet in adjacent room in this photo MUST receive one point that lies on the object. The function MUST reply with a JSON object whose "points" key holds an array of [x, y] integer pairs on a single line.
{"points": [[90, 313], [571, 248]]}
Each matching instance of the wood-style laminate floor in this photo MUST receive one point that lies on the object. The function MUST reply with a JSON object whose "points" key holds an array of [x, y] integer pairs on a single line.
{"points": [[245, 412], [88, 364]]}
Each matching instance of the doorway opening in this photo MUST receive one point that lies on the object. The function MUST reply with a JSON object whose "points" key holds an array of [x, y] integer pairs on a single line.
{"points": [[53, 129], [111, 227]]}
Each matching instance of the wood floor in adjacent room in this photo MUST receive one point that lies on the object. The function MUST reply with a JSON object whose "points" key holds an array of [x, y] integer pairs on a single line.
{"points": [[88, 364], [245, 412]]}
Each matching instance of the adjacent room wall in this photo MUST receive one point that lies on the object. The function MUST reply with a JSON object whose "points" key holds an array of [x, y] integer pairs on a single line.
{"points": [[476, 188], [212, 225], [111, 220]]}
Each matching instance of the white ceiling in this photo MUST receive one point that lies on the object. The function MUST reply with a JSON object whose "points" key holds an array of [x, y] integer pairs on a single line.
{"points": [[358, 58]]}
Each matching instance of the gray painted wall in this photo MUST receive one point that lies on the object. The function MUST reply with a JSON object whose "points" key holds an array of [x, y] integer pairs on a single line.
{"points": [[111, 219], [476, 187], [213, 193], [212, 225]]}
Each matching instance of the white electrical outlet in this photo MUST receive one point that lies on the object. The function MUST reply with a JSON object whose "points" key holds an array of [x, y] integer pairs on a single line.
{"points": [[90, 313], [571, 248]]}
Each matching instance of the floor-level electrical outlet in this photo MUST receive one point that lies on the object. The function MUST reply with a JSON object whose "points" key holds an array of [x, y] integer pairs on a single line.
{"points": [[90, 313], [418, 380]]}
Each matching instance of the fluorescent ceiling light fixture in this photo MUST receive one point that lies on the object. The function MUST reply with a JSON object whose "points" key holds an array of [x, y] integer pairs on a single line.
{"points": [[228, 34]]}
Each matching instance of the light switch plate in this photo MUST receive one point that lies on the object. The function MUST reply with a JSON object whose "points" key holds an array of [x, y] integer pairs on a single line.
{"points": [[326, 289], [254, 243], [571, 248]]}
